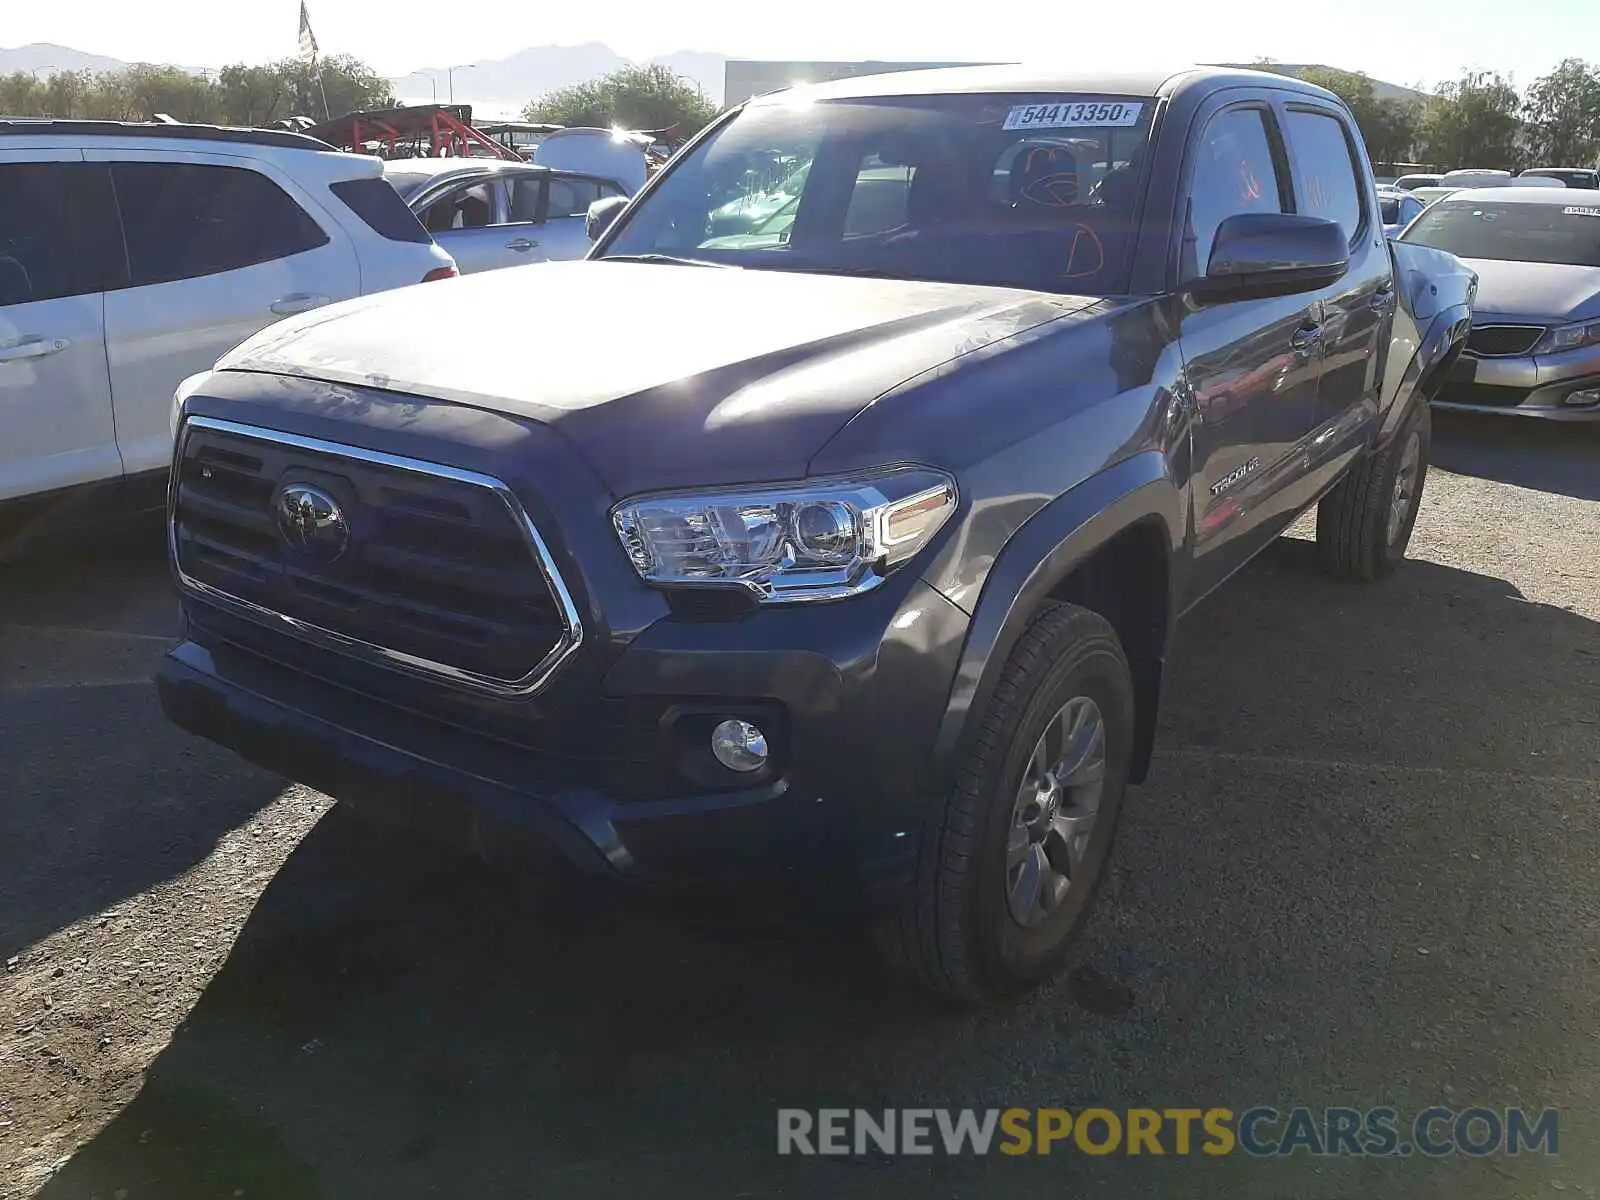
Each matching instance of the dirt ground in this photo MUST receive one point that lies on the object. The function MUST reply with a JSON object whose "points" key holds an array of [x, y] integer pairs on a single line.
{"points": [[1361, 873]]}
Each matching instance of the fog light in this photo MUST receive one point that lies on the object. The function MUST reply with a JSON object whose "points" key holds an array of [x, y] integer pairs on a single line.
{"points": [[739, 746], [1582, 399]]}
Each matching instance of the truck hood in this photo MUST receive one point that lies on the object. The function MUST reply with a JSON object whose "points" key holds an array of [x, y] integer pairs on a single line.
{"points": [[661, 375], [1536, 293]]}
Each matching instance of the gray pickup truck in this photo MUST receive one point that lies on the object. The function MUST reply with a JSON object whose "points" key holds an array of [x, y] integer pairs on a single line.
{"points": [[834, 535]]}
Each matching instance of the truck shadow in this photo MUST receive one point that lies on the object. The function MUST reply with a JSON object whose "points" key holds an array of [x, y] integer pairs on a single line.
{"points": [[1547, 456], [1356, 876], [102, 798]]}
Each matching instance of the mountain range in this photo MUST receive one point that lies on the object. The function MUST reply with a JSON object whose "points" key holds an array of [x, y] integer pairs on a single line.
{"points": [[494, 85]]}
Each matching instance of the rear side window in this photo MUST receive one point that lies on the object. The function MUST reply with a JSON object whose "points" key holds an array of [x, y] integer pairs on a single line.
{"points": [[185, 220], [35, 234], [1325, 169], [380, 207], [1235, 172], [571, 197]]}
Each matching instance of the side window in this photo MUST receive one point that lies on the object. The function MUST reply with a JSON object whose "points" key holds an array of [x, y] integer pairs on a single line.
{"points": [[878, 199], [1234, 172], [525, 199], [571, 197], [1324, 169], [465, 207], [184, 220], [35, 235]]}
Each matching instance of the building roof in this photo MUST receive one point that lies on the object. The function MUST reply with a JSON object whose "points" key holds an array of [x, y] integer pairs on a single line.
{"points": [[1380, 89]]}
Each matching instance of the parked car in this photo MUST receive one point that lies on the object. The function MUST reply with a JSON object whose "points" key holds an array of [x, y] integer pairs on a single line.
{"points": [[491, 213], [1534, 349], [1477, 177], [1432, 195], [868, 577], [133, 255], [1397, 209], [1421, 179], [1573, 177]]}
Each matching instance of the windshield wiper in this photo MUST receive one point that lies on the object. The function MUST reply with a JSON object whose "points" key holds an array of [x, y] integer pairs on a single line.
{"points": [[671, 259]]}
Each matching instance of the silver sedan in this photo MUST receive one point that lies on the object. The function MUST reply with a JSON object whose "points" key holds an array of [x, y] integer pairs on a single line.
{"points": [[1534, 349]]}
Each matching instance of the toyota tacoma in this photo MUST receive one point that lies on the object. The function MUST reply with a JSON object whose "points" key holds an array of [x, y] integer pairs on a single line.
{"points": [[845, 539]]}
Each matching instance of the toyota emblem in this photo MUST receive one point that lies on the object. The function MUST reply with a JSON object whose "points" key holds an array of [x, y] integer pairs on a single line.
{"points": [[311, 522]]}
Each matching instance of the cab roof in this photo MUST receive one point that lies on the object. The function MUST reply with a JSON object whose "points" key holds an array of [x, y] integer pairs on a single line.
{"points": [[1022, 77]]}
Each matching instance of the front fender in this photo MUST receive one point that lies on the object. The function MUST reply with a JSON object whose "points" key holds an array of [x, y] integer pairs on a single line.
{"points": [[1436, 291], [1043, 552]]}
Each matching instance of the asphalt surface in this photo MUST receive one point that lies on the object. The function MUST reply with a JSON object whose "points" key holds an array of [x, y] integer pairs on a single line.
{"points": [[1362, 873]]}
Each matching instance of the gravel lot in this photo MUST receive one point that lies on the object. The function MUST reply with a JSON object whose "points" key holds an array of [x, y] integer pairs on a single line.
{"points": [[1363, 872]]}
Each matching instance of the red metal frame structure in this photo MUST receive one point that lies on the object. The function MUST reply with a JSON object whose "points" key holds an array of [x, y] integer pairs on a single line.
{"points": [[423, 130]]}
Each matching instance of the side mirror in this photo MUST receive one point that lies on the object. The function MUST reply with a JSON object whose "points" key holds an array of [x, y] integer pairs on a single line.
{"points": [[601, 214], [1256, 255]]}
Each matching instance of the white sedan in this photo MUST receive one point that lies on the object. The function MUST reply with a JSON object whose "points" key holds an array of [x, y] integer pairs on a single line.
{"points": [[490, 213]]}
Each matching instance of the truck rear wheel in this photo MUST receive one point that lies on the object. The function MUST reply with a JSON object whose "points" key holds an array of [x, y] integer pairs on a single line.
{"points": [[1365, 523], [1007, 875]]}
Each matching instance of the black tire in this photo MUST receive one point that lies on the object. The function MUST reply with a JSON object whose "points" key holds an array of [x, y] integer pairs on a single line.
{"points": [[1353, 527], [954, 932]]}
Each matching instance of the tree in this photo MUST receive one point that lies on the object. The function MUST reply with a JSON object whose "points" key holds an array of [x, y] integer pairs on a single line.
{"points": [[650, 97], [239, 95], [1472, 122], [1562, 111]]}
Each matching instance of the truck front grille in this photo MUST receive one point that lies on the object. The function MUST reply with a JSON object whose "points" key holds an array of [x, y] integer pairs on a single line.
{"points": [[1503, 341], [413, 565]]}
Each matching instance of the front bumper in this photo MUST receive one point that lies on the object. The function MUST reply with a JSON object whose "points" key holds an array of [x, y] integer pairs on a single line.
{"points": [[852, 693], [1525, 385]]}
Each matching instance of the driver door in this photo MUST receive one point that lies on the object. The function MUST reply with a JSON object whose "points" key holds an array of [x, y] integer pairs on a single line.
{"points": [[1253, 366]]}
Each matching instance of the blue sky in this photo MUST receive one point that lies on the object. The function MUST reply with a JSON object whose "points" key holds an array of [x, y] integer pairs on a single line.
{"points": [[1402, 41]]}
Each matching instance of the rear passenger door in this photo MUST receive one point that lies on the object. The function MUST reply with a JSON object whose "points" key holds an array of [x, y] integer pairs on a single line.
{"points": [[218, 247], [565, 229], [56, 428], [1331, 181], [1252, 365]]}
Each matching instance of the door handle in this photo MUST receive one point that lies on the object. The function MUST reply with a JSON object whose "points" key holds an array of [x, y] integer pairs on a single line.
{"points": [[299, 302], [1307, 339], [1382, 298], [33, 348], [521, 245]]}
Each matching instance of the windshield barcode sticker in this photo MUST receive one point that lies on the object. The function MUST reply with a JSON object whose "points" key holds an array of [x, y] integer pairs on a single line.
{"points": [[1578, 210], [1117, 113]]}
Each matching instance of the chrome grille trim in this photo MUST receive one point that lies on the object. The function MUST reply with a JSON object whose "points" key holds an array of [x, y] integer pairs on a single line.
{"points": [[527, 685]]}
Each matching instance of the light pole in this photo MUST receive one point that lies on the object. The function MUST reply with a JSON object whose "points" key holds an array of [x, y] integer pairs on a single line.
{"points": [[450, 77]]}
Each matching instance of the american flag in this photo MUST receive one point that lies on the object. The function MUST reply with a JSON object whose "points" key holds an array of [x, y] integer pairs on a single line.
{"points": [[308, 40]]}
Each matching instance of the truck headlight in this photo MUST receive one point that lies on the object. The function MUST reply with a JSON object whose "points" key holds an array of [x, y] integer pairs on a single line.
{"points": [[1569, 337], [816, 540]]}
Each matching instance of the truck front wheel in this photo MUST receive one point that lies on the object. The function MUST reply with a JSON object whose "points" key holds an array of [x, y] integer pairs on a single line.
{"points": [[1364, 524], [1007, 877]]}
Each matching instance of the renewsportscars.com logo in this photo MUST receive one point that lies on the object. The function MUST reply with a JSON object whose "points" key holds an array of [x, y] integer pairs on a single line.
{"points": [[1260, 1132]]}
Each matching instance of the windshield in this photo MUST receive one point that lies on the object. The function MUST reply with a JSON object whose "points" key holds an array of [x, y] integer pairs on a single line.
{"points": [[1020, 191], [1547, 233]]}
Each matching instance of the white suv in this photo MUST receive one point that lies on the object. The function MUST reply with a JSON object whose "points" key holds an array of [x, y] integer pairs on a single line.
{"points": [[134, 255]]}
